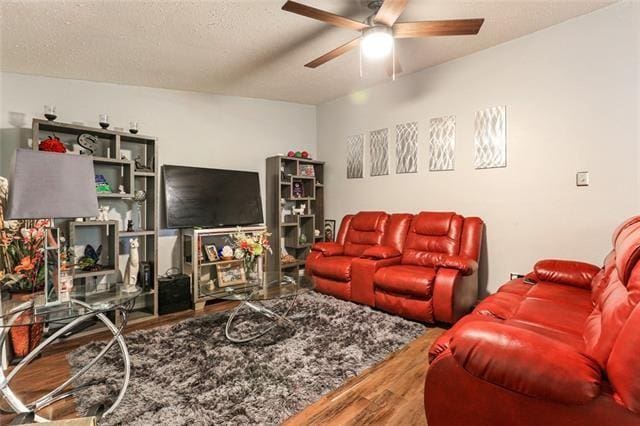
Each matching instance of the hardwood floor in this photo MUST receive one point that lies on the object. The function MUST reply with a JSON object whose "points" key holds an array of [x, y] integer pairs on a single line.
{"points": [[388, 393]]}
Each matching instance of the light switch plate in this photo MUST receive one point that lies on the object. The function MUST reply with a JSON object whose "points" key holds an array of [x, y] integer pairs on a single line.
{"points": [[582, 179]]}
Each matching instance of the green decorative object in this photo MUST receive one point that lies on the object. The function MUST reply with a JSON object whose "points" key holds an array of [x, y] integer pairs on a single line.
{"points": [[102, 185], [298, 154], [302, 239]]}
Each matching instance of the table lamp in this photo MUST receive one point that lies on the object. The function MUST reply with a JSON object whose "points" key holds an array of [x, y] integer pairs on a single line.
{"points": [[47, 185]]}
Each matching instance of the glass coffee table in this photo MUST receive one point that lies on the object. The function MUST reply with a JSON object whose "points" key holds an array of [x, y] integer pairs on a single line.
{"points": [[65, 318], [278, 291]]}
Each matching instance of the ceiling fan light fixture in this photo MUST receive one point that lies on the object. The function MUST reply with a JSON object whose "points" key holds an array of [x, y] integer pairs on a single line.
{"points": [[377, 42]]}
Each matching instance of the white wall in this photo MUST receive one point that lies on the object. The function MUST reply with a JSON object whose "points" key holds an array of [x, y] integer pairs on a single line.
{"points": [[194, 129], [571, 93]]}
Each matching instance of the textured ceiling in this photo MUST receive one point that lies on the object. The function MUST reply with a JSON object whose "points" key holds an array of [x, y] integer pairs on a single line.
{"points": [[241, 48]]}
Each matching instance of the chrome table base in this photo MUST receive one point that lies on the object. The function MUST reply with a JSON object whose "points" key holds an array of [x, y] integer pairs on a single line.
{"points": [[20, 407], [255, 306]]}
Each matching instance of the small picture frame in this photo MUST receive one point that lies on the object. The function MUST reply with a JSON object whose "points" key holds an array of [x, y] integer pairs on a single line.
{"points": [[329, 230], [297, 190], [307, 170], [231, 273], [212, 252]]}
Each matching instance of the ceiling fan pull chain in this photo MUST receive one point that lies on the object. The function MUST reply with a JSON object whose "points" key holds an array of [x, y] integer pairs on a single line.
{"points": [[393, 59], [360, 56]]}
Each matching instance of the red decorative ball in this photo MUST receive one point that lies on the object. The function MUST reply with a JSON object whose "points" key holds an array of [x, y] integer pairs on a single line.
{"points": [[52, 144], [305, 154], [290, 154], [298, 154]]}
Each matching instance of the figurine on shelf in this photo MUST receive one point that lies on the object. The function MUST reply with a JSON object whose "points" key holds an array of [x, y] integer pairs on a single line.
{"points": [[299, 210], [141, 167], [103, 212], [133, 265], [297, 190], [90, 262], [129, 226], [121, 189], [227, 253]]}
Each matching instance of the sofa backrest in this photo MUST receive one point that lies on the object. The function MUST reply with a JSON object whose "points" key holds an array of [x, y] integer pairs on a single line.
{"points": [[363, 230], [615, 293], [432, 234], [396, 234]]}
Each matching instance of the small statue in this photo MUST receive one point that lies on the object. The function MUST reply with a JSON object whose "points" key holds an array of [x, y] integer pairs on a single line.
{"points": [[121, 189], [133, 266], [103, 212], [129, 226]]}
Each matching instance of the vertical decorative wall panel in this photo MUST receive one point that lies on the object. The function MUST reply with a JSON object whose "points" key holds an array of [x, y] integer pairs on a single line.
{"points": [[355, 156], [407, 148], [490, 138], [379, 152], [442, 143]]}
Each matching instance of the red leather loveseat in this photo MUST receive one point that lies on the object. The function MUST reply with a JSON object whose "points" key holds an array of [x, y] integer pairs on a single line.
{"points": [[422, 267], [560, 347]]}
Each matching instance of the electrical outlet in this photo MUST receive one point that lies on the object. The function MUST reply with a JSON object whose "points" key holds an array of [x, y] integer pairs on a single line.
{"points": [[582, 179], [515, 276]]}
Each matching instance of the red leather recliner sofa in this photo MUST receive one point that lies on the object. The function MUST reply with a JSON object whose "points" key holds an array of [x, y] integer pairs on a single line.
{"points": [[559, 347], [423, 267]]}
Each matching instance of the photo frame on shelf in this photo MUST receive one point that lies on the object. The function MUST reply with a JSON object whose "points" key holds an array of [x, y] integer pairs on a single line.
{"points": [[329, 230], [212, 252], [231, 273], [307, 170]]}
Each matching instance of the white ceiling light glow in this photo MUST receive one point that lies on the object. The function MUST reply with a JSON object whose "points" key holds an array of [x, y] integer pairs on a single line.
{"points": [[377, 42]]}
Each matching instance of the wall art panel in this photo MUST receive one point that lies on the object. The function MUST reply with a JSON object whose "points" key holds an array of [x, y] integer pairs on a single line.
{"points": [[490, 139], [379, 152], [407, 148], [442, 143], [355, 156]]}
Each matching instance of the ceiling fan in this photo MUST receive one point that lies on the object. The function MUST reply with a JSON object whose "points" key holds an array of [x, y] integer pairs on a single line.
{"points": [[380, 29]]}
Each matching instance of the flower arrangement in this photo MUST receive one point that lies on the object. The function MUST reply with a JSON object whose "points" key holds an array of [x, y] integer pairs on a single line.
{"points": [[250, 247], [21, 250]]}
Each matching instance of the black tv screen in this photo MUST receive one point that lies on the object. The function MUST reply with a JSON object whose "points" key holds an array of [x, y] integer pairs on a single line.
{"points": [[211, 198]]}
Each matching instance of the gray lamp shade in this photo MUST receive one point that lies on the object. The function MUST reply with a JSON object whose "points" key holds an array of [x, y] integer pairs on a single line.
{"points": [[51, 185]]}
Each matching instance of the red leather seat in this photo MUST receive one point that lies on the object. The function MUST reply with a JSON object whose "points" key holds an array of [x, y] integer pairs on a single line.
{"points": [[558, 347], [330, 263], [436, 278], [406, 279]]}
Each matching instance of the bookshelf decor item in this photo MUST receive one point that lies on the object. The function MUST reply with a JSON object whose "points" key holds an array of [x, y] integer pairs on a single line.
{"points": [[295, 209]]}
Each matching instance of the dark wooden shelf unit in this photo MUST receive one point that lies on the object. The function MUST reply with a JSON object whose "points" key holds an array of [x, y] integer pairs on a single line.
{"points": [[281, 176]]}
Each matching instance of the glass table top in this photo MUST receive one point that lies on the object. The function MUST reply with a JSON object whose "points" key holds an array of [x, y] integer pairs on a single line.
{"points": [[273, 285], [11, 305]]}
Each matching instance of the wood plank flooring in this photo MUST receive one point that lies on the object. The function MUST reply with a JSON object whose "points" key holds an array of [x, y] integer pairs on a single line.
{"points": [[388, 393]]}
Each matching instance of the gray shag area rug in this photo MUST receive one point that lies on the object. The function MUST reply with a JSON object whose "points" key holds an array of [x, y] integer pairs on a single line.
{"points": [[190, 374]]}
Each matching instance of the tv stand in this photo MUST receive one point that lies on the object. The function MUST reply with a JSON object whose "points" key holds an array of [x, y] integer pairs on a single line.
{"points": [[202, 270]]}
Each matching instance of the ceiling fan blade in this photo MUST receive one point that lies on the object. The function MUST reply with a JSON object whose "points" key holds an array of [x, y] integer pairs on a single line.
{"points": [[388, 65], [321, 15], [437, 28], [333, 54], [390, 11]]}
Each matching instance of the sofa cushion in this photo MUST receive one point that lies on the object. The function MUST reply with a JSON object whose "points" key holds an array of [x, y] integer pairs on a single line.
{"points": [[552, 314], [366, 230], [411, 280], [562, 293], [335, 267], [432, 233]]}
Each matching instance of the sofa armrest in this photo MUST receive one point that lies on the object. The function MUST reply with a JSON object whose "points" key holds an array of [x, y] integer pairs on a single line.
{"points": [[569, 272], [526, 362], [381, 252], [328, 249], [362, 272], [465, 265]]}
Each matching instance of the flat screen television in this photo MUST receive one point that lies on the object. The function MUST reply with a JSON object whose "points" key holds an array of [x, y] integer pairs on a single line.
{"points": [[211, 198]]}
